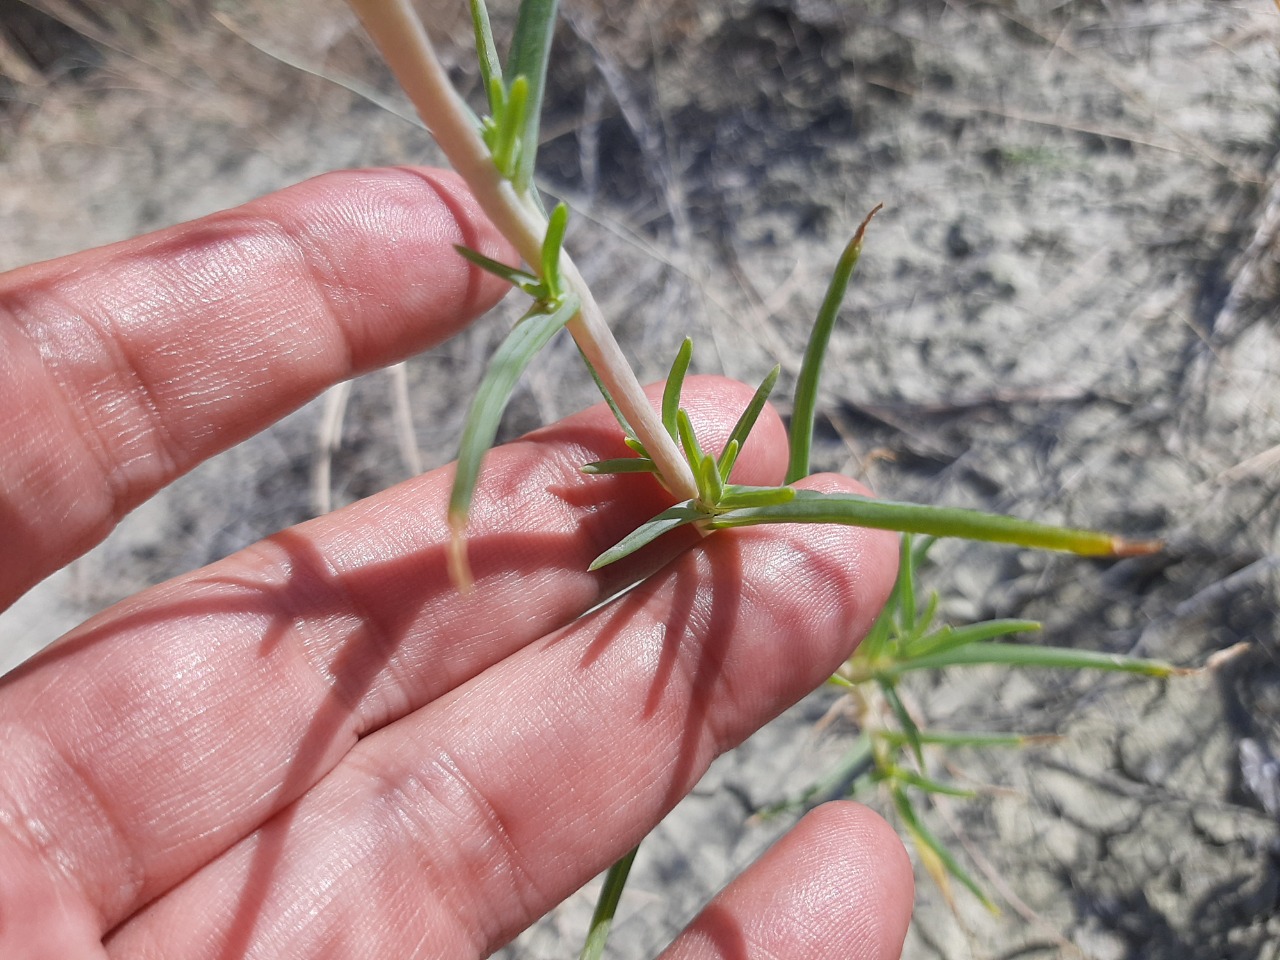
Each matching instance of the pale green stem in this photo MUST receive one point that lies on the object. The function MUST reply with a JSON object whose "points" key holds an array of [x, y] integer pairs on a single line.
{"points": [[399, 34], [602, 919]]}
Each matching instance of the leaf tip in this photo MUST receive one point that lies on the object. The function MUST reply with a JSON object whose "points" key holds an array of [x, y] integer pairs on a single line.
{"points": [[1121, 547], [862, 227], [1221, 657]]}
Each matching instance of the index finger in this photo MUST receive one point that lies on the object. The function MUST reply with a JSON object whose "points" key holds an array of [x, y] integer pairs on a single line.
{"points": [[122, 368]]}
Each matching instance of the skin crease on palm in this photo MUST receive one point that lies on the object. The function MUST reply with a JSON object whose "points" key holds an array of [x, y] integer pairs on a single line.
{"points": [[317, 747]]}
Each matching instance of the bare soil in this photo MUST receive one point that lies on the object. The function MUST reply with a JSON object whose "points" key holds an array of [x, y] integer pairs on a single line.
{"points": [[1067, 311]]}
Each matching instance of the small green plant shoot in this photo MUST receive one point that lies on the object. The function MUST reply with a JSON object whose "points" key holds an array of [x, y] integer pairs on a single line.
{"points": [[496, 155], [891, 749]]}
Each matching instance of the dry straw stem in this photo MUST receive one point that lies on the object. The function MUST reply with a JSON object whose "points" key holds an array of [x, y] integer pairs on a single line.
{"points": [[399, 34]]}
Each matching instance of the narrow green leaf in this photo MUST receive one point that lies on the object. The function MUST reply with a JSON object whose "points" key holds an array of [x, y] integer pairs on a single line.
{"points": [[602, 918], [926, 618], [960, 738], [1030, 655], [905, 721], [620, 465], [806, 397], [855, 764], [873, 645], [551, 245], [489, 126], [728, 457], [746, 422], [921, 551], [928, 784], [675, 383], [646, 533], [497, 98], [924, 838], [736, 495], [707, 475], [528, 336], [813, 506], [907, 597], [486, 52], [507, 144], [636, 446], [528, 57], [688, 439], [948, 638], [517, 278], [628, 433]]}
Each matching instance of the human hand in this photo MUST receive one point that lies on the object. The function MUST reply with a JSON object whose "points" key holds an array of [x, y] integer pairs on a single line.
{"points": [[317, 747]]}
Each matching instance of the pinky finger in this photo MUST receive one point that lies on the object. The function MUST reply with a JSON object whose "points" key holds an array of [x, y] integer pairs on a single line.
{"points": [[838, 885]]}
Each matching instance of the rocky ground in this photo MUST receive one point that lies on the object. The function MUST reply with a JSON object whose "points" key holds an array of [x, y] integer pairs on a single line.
{"points": [[1067, 311]]}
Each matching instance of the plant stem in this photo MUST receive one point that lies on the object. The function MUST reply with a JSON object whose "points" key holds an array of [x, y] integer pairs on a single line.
{"points": [[399, 34], [606, 907]]}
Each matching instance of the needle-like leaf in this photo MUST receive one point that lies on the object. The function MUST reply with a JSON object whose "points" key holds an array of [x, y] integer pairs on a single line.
{"points": [[689, 440], [948, 638], [926, 618], [963, 738], [871, 650], [628, 432], [497, 107], [746, 422], [1030, 655], [839, 781], [551, 245], [528, 57], [937, 854], [528, 336], [806, 398], [921, 548], [674, 384], [517, 278], [646, 533], [709, 480], [813, 506], [907, 596], [728, 456], [620, 465], [736, 495], [928, 784], [486, 52], [904, 718], [507, 145]]}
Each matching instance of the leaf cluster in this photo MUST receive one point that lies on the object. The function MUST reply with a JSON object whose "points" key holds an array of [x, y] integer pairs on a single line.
{"points": [[515, 92], [515, 96], [890, 751], [721, 504], [905, 638]]}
